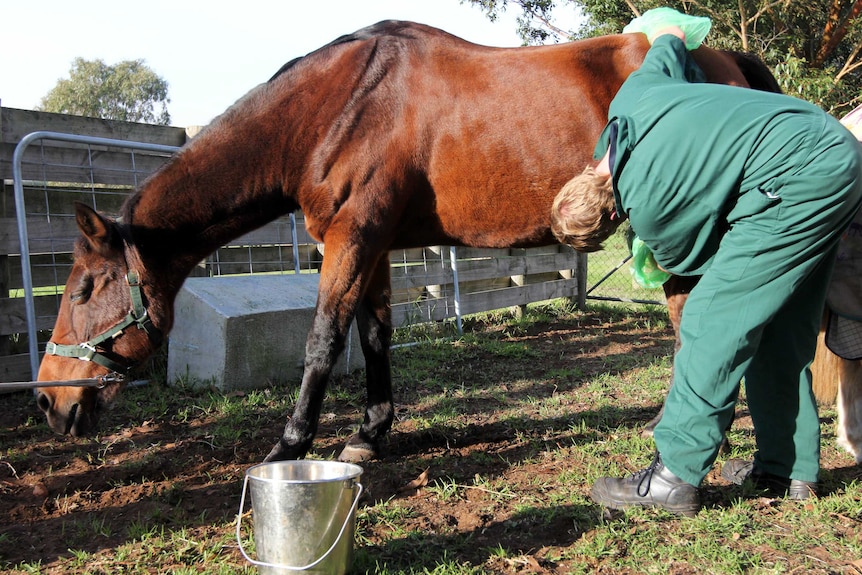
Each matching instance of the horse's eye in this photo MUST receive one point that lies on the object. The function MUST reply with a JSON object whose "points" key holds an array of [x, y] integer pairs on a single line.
{"points": [[82, 293]]}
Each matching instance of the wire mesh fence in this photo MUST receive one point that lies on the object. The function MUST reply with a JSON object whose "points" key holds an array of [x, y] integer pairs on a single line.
{"points": [[609, 276]]}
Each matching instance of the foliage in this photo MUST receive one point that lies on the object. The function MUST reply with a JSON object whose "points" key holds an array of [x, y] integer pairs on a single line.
{"points": [[129, 91], [813, 47]]}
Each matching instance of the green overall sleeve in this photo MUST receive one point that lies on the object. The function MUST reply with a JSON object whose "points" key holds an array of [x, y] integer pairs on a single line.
{"points": [[667, 62], [643, 186]]}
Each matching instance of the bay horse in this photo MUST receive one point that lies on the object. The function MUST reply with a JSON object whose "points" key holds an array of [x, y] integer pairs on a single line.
{"points": [[396, 136]]}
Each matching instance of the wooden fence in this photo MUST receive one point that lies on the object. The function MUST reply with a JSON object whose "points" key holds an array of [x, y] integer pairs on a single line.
{"points": [[56, 174]]}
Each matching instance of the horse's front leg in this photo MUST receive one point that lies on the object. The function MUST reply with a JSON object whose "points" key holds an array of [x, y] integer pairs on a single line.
{"points": [[374, 317], [342, 276]]}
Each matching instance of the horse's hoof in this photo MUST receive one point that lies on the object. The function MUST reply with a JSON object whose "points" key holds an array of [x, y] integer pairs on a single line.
{"points": [[356, 454], [854, 448], [358, 450], [649, 428], [283, 452], [275, 454]]}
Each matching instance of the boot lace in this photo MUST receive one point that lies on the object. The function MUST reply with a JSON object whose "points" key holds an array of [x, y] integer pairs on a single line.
{"points": [[644, 476]]}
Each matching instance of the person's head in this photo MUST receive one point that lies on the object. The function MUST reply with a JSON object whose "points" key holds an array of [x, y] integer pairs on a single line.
{"points": [[584, 212]]}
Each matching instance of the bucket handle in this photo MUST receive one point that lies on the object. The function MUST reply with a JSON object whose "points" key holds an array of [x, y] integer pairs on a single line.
{"points": [[277, 565]]}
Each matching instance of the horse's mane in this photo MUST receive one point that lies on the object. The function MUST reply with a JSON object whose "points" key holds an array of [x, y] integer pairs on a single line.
{"points": [[756, 72]]}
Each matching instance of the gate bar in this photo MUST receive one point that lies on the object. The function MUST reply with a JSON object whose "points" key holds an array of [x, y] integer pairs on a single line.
{"points": [[23, 238]]}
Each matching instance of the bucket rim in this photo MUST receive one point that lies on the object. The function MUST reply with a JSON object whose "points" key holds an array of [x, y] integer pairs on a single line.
{"points": [[351, 471]]}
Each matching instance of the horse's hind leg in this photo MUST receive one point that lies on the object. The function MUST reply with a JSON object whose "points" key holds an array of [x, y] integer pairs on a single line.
{"points": [[374, 318], [850, 407]]}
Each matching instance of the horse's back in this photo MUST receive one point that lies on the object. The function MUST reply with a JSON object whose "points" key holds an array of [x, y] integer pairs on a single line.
{"points": [[440, 139], [473, 133]]}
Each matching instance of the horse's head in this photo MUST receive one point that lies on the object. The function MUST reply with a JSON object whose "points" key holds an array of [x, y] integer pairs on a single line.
{"points": [[103, 326]]}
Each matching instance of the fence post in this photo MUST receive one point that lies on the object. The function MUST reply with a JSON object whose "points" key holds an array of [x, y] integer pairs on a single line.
{"points": [[582, 281], [5, 342], [453, 259], [518, 280], [294, 239]]}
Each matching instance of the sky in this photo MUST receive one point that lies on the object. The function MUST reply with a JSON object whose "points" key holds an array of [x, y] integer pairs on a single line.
{"points": [[210, 52]]}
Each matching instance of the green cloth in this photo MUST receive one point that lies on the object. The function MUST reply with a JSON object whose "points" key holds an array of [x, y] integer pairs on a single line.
{"points": [[695, 27], [751, 190], [645, 270]]}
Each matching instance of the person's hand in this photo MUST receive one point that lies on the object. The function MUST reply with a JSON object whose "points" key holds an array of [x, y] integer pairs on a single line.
{"points": [[672, 30]]}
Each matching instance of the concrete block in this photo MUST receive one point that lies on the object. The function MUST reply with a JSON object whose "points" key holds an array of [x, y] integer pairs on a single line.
{"points": [[243, 332]]}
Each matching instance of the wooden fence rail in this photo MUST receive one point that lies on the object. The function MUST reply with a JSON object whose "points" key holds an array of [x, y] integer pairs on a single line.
{"points": [[57, 174]]}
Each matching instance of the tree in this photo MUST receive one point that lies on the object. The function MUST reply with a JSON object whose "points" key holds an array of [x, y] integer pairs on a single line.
{"points": [[814, 47], [128, 91]]}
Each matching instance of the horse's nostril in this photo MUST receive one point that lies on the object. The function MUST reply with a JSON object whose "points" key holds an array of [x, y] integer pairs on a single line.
{"points": [[44, 402], [70, 421]]}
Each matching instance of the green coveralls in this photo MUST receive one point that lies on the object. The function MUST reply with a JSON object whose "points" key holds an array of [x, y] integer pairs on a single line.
{"points": [[751, 190]]}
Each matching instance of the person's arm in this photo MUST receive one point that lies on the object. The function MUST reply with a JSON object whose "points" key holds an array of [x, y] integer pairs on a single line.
{"points": [[604, 166], [667, 61], [667, 58]]}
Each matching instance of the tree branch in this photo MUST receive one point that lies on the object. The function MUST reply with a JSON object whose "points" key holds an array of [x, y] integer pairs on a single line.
{"points": [[835, 30], [543, 20], [849, 64]]}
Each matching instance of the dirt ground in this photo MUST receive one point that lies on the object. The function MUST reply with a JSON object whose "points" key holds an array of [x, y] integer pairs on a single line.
{"points": [[170, 468]]}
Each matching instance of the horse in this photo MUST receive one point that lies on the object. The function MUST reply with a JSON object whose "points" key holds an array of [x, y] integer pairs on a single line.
{"points": [[396, 136], [839, 380]]}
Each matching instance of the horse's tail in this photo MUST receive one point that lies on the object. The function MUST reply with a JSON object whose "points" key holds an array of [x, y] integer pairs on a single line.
{"points": [[756, 72]]}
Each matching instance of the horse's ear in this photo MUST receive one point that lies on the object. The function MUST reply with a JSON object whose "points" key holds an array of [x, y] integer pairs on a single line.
{"points": [[96, 229]]}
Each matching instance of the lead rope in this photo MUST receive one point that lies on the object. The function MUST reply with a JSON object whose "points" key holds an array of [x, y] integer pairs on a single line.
{"points": [[97, 382]]}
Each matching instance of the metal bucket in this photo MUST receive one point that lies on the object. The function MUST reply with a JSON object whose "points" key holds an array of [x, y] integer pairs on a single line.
{"points": [[303, 516]]}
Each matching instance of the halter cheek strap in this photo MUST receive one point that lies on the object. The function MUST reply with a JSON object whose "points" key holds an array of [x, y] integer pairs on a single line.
{"points": [[137, 316]]}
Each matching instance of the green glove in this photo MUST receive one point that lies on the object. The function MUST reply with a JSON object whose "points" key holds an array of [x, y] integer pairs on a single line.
{"points": [[645, 270], [695, 27]]}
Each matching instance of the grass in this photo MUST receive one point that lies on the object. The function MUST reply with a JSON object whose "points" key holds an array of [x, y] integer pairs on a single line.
{"points": [[511, 440]]}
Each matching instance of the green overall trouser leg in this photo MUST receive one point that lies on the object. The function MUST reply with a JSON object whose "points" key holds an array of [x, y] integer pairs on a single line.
{"points": [[756, 313]]}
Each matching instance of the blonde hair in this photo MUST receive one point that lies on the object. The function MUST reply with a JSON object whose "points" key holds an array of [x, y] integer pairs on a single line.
{"points": [[584, 212]]}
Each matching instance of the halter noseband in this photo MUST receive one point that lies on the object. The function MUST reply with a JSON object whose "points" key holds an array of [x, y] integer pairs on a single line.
{"points": [[137, 316]]}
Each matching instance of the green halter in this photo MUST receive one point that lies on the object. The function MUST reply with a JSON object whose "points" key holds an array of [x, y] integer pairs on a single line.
{"points": [[137, 316]]}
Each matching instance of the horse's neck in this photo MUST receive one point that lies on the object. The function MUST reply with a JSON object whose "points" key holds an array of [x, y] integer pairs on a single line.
{"points": [[210, 193]]}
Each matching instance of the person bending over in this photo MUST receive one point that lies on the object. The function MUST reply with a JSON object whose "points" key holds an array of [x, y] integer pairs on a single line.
{"points": [[750, 190]]}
